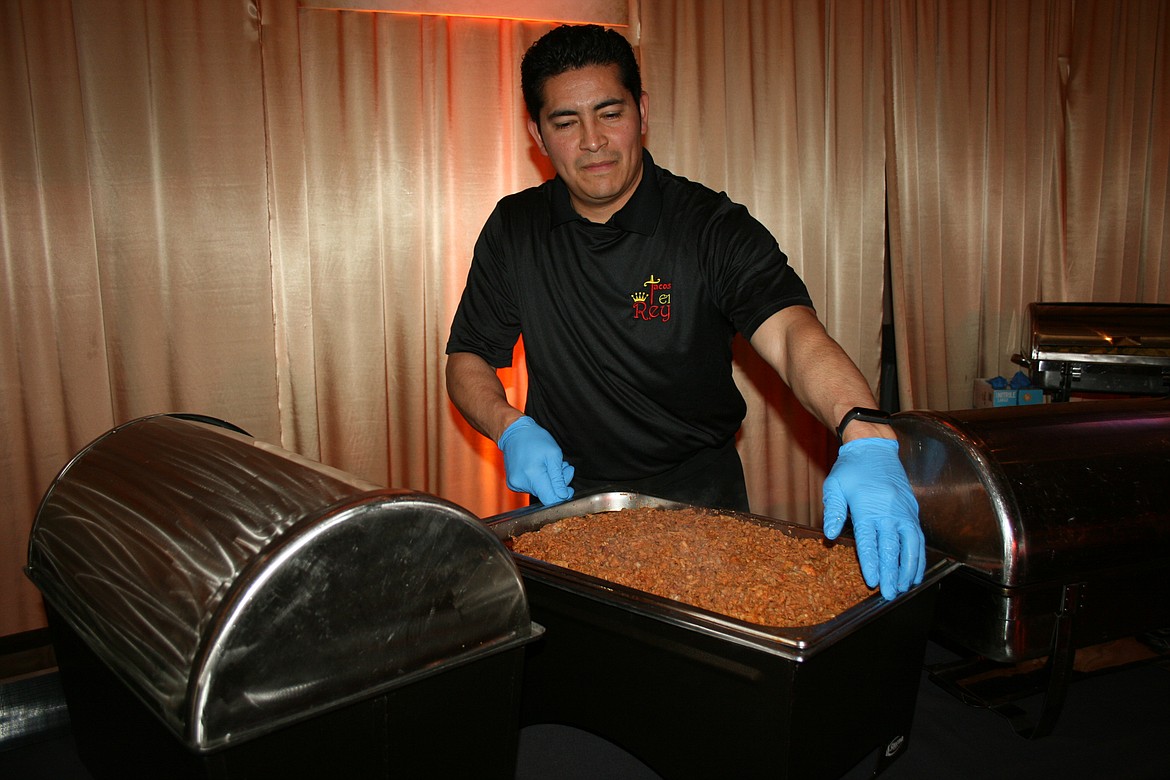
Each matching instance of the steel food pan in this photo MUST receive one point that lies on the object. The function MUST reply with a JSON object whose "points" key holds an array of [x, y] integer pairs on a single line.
{"points": [[687, 691]]}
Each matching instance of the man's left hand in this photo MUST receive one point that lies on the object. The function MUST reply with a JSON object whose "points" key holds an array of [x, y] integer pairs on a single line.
{"points": [[869, 483]]}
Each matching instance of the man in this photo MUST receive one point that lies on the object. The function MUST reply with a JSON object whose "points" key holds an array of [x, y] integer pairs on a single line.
{"points": [[628, 284]]}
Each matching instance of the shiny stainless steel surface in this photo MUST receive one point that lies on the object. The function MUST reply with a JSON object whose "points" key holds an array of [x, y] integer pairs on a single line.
{"points": [[794, 643], [1042, 493], [235, 587], [1097, 348], [1121, 333], [692, 693]]}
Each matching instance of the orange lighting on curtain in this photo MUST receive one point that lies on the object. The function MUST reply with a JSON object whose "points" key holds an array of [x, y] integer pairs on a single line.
{"points": [[612, 13]]}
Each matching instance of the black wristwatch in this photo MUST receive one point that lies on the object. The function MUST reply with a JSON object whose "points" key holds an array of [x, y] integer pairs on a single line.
{"points": [[863, 414]]}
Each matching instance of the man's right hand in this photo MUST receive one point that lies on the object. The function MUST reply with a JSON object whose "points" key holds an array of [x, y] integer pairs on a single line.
{"points": [[533, 462]]}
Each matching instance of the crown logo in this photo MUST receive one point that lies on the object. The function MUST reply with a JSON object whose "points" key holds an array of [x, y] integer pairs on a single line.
{"points": [[639, 297]]}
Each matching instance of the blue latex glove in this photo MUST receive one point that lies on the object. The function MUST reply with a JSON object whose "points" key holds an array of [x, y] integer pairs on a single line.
{"points": [[533, 462], [869, 482]]}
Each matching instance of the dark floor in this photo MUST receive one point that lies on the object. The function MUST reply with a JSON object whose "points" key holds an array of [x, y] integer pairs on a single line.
{"points": [[1113, 725]]}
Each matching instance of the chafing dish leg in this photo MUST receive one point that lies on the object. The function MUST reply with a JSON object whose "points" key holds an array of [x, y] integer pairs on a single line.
{"points": [[1066, 379], [1060, 663], [980, 682]]}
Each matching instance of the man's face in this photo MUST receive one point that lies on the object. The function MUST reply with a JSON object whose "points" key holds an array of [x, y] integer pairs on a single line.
{"points": [[591, 130]]}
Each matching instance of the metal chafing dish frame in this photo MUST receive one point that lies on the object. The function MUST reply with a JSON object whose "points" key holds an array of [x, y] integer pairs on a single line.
{"points": [[1084, 347], [221, 608], [686, 690], [1051, 559]]}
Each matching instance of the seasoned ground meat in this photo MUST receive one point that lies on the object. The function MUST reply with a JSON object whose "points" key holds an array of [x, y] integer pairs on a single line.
{"points": [[707, 559]]}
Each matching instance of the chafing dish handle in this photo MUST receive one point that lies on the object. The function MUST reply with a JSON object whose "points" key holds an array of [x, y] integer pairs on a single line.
{"points": [[863, 414]]}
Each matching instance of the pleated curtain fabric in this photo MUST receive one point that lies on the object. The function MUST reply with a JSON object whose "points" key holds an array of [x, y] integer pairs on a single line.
{"points": [[264, 212]]}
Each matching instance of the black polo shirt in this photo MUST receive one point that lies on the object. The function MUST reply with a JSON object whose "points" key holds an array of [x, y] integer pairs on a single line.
{"points": [[627, 326]]}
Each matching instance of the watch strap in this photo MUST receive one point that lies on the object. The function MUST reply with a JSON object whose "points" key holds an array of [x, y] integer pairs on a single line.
{"points": [[863, 414]]}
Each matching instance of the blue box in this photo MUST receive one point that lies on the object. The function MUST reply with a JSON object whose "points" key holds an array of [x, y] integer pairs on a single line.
{"points": [[984, 395], [1029, 395]]}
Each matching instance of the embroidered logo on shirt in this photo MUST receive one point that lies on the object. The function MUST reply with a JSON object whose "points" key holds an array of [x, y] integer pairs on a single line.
{"points": [[653, 302]]}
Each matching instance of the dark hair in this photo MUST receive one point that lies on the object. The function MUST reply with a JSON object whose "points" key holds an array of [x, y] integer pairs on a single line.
{"points": [[573, 46]]}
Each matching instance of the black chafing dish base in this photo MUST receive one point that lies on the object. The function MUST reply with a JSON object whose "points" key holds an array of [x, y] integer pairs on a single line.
{"points": [[396, 733], [694, 694]]}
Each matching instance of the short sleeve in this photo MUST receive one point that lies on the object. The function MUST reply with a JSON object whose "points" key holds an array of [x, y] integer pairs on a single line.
{"points": [[487, 321], [749, 274]]}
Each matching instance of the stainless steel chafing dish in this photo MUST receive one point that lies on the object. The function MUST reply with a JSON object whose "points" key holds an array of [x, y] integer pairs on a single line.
{"points": [[1059, 516], [1117, 348], [695, 694], [221, 607]]}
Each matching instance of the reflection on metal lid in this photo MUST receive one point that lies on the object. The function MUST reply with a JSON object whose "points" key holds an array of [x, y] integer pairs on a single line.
{"points": [[1025, 494], [1098, 332], [236, 587]]}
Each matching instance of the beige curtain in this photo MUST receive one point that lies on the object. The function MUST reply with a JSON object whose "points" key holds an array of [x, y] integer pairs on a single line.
{"points": [[780, 105], [396, 139], [1117, 111], [133, 237], [265, 213], [1029, 148]]}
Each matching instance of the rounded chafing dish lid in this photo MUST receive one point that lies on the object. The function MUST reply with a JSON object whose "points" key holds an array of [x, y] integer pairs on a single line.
{"points": [[1042, 493], [235, 587]]}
